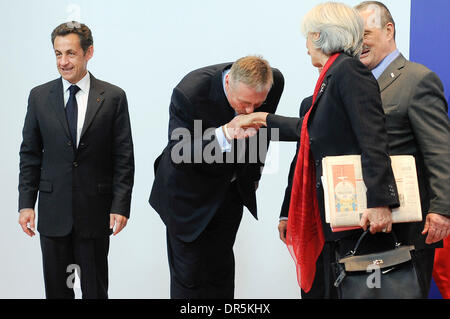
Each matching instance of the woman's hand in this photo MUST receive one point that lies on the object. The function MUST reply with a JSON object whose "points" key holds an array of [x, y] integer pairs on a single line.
{"points": [[245, 125], [282, 229], [379, 219]]}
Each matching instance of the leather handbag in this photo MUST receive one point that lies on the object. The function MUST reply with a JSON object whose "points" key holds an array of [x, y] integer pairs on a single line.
{"points": [[388, 274]]}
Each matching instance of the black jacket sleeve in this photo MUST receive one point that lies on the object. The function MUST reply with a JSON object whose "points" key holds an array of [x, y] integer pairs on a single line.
{"points": [[30, 157]]}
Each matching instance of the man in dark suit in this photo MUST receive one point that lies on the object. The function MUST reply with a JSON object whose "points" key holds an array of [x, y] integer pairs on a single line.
{"points": [[417, 124], [203, 180], [77, 153]]}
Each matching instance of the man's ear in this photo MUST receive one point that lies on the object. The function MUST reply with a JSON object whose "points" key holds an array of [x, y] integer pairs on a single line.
{"points": [[227, 82], [89, 53], [390, 30]]}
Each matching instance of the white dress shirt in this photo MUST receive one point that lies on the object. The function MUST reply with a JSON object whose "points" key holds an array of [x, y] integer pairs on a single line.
{"points": [[82, 100]]}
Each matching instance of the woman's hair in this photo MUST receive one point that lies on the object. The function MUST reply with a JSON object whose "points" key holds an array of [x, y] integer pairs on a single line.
{"points": [[339, 26]]}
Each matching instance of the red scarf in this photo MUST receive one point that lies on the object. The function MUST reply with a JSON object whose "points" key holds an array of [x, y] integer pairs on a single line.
{"points": [[304, 236]]}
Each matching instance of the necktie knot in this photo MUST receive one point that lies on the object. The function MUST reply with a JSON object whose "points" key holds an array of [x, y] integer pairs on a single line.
{"points": [[73, 89]]}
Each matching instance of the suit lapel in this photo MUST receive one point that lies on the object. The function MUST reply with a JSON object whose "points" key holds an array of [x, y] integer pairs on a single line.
{"points": [[392, 73], [95, 101], [56, 99]]}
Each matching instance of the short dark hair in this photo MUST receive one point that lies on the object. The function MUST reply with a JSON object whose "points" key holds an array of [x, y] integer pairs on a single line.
{"points": [[84, 33], [386, 16]]}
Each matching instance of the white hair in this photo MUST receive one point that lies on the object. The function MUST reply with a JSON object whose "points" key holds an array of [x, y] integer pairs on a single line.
{"points": [[339, 26]]}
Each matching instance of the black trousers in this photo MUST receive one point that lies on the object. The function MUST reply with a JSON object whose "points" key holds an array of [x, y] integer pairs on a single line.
{"points": [[323, 285], [205, 268], [62, 256]]}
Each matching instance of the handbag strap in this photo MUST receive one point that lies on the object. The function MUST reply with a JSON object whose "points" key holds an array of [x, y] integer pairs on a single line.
{"points": [[364, 234]]}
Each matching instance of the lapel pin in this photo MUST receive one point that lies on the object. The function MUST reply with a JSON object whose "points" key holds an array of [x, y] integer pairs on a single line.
{"points": [[98, 99]]}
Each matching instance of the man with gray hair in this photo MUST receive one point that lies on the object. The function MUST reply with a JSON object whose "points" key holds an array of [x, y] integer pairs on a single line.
{"points": [[201, 182], [417, 124]]}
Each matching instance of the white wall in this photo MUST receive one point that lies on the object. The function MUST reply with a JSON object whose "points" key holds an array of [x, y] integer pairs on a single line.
{"points": [[146, 47]]}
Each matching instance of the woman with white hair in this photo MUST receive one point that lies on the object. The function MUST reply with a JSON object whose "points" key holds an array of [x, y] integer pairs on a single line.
{"points": [[344, 117]]}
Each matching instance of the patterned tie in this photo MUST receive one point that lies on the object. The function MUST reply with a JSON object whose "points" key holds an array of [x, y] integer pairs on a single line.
{"points": [[72, 113]]}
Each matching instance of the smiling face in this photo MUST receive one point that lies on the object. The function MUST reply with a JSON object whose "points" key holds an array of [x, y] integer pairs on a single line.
{"points": [[71, 60], [243, 98], [378, 41]]}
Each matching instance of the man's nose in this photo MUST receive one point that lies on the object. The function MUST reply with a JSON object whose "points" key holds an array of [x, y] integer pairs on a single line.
{"points": [[249, 109], [63, 60]]}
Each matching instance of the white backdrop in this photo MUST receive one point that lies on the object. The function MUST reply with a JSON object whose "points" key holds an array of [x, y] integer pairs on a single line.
{"points": [[146, 47]]}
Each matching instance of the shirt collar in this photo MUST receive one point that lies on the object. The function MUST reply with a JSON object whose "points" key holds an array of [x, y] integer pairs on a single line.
{"points": [[84, 84], [385, 63], [224, 74]]}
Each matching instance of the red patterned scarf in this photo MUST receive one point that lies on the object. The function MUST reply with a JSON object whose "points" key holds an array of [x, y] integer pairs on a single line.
{"points": [[304, 236]]}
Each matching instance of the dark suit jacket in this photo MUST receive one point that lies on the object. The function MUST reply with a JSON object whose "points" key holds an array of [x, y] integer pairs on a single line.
{"points": [[78, 187], [187, 195], [417, 124], [347, 119]]}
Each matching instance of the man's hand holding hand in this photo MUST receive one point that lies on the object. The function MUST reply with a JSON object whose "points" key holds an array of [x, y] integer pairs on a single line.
{"points": [[245, 125]]}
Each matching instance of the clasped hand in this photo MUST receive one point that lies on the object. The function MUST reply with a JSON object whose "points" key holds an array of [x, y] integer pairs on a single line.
{"points": [[245, 125]]}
